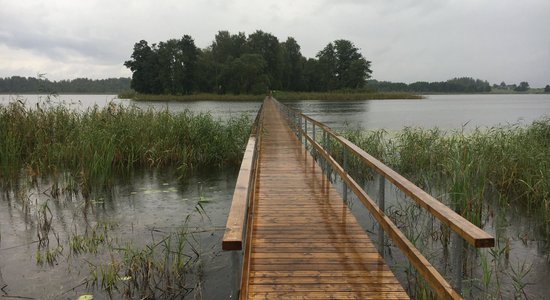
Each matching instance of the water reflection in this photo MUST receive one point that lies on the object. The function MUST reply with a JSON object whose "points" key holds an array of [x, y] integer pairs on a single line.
{"points": [[138, 212]]}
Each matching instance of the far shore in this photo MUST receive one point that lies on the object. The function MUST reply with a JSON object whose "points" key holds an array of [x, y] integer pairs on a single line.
{"points": [[281, 96]]}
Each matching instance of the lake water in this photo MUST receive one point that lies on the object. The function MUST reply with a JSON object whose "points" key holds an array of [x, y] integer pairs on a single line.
{"points": [[444, 111], [150, 205]]}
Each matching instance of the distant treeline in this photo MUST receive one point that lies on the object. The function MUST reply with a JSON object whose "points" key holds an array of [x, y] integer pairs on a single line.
{"points": [[240, 64], [455, 85], [26, 85]]}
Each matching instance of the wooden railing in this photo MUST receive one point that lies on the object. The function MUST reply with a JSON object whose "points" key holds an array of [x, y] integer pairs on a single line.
{"points": [[239, 221], [462, 227], [235, 229]]}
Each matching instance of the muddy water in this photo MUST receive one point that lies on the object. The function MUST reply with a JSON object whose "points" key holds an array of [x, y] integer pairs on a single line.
{"points": [[140, 210]]}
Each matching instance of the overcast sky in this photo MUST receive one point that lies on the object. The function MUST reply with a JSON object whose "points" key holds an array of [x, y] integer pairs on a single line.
{"points": [[406, 40]]}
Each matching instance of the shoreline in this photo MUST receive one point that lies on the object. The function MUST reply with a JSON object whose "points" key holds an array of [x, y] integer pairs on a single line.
{"points": [[281, 96]]}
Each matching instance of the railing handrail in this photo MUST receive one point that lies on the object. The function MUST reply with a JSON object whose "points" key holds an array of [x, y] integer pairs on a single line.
{"points": [[235, 228], [468, 231]]}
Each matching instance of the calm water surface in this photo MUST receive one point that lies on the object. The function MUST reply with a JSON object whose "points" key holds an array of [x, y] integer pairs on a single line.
{"points": [[444, 111], [152, 203]]}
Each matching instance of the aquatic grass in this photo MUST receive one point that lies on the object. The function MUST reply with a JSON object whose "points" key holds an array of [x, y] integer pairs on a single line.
{"points": [[160, 269], [91, 148], [513, 160]]}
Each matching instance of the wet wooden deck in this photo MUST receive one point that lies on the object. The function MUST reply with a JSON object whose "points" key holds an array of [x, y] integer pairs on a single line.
{"points": [[304, 242]]}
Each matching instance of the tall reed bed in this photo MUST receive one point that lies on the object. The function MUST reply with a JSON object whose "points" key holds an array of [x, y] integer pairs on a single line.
{"points": [[514, 160], [95, 145]]}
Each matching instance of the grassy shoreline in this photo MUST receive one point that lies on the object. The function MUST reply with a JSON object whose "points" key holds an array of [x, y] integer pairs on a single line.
{"points": [[279, 95]]}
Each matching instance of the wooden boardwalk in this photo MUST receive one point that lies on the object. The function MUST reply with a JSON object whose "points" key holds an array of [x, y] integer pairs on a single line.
{"points": [[304, 241]]}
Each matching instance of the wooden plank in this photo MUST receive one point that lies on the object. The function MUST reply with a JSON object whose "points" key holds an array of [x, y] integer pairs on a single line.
{"points": [[436, 281], [305, 242], [329, 295]]}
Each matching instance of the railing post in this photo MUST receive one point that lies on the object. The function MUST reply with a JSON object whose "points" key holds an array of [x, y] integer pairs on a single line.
{"points": [[314, 140], [299, 127], [325, 163], [236, 264], [458, 244], [345, 166], [382, 206], [305, 130]]}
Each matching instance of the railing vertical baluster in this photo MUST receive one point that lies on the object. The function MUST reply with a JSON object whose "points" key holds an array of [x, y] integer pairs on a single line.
{"points": [[305, 130], [345, 166], [325, 163], [299, 127], [382, 206], [458, 244], [314, 140]]}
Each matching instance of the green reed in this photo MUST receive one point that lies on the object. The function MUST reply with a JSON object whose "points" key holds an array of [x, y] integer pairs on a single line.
{"points": [[94, 146], [514, 160]]}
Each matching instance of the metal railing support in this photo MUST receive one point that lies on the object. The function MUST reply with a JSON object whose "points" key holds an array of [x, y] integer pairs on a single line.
{"points": [[305, 130], [458, 245], [345, 165], [299, 129], [382, 206]]}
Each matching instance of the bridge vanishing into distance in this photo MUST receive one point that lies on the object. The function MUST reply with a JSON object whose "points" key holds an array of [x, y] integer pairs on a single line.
{"points": [[292, 233]]}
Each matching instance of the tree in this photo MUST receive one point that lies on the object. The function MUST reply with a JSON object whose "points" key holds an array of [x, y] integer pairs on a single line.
{"points": [[523, 87], [245, 75], [547, 88], [293, 66], [177, 61], [267, 46], [343, 66], [144, 67]]}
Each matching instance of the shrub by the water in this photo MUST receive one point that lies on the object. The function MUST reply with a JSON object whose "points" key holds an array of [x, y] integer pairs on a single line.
{"points": [[95, 145]]}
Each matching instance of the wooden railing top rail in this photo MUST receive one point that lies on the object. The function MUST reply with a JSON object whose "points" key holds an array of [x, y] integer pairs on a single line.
{"points": [[468, 231], [235, 232]]}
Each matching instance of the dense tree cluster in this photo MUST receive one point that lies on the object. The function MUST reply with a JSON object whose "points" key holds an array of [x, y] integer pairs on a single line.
{"points": [[547, 88], [17, 84], [235, 63], [455, 85]]}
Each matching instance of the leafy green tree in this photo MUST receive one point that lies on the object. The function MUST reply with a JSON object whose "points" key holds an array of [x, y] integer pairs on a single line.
{"points": [[312, 76], [228, 46], [547, 88], [523, 87], [327, 68], [352, 68], [208, 72], [267, 46], [144, 67], [343, 66], [178, 60], [293, 66], [245, 75]]}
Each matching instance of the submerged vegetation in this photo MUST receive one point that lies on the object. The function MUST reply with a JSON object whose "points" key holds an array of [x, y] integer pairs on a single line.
{"points": [[88, 148], [514, 161]]}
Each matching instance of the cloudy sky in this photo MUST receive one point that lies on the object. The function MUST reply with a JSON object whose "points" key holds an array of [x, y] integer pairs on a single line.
{"points": [[406, 40]]}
